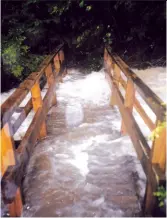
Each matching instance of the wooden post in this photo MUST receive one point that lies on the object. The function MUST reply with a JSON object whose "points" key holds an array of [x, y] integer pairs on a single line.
{"points": [[158, 157], [116, 77], [61, 56], [15, 208], [159, 150], [7, 151], [56, 64], [129, 101], [37, 103], [62, 61], [50, 80], [8, 159], [105, 58]]}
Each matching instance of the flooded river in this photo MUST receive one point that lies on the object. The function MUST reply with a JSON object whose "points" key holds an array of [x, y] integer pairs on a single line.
{"points": [[84, 167]]}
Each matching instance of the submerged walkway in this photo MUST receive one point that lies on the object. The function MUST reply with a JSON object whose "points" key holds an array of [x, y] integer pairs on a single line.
{"points": [[84, 167]]}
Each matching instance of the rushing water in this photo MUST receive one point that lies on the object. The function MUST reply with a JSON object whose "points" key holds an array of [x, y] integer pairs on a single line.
{"points": [[85, 167]]}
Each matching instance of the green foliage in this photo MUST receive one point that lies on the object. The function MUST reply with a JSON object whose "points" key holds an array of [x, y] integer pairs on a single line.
{"points": [[88, 8], [33, 28], [34, 61], [107, 38], [59, 9], [82, 38], [12, 53], [81, 4], [161, 195], [155, 133]]}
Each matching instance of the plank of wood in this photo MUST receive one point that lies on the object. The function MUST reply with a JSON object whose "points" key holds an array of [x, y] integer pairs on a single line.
{"points": [[132, 125], [57, 64], [14, 174], [154, 102], [11, 104], [140, 109], [7, 149], [116, 78], [15, 208], [144, 116], [50, 80], [153, 174], [37, 103], [61, 55], [159, 150], [24, 113], [129, 101]]}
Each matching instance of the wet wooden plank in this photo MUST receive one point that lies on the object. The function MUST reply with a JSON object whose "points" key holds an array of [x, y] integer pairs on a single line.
{"points": [[37, 103], [14, 174], [7, 149], [141, 146], [140, 109], [24, 113], [154, 174], [132, 126], [159, 150], [129, 101], [50, 80], [144, 116], [15, 208], [11, 104], [154, 102], [61, 56], [124, 201], [116, 78]]}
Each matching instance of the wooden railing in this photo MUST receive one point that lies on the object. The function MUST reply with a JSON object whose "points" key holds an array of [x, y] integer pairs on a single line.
{"points": [[153, 160], [14, 160]]}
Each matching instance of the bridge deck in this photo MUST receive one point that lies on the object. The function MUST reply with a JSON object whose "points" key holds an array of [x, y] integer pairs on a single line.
{"points": [[83, 167]]}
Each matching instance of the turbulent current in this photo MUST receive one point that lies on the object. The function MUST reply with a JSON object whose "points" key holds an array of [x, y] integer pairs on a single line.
{"points": [[84, 167]]}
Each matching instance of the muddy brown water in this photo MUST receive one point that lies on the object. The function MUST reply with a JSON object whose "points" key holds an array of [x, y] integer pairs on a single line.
{"points": [[84, 167]]}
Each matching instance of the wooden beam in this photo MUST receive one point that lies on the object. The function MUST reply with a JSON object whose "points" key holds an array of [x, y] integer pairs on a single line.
{"points": [[132, 126], [158, 156], [8, 159], [11, 104], [15, 208], [57, 64], [153, 162], [61, 56], [154, 175], [154, 102], [159, 150], [37, 103], [129, 101], [144, 116], [140, 109], [50, 80], [14, 174], [7, 149], [116, 78], [24, 113]]}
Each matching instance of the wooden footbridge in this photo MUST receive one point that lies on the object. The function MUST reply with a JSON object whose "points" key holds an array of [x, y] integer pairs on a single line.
{"points": [[15, 159]]}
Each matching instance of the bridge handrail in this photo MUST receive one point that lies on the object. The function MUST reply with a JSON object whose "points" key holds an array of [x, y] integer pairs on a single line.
{"points": [[152, 160], [14, 160], [154, 102], [13, 101]]}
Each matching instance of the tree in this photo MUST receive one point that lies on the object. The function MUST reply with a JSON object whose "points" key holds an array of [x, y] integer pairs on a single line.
{"points": [[31, 29]]}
